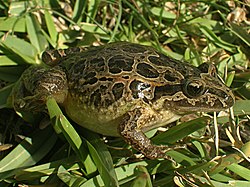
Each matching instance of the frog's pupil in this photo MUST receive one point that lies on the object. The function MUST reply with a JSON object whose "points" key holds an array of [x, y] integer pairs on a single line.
{"points": [[193, 88]]}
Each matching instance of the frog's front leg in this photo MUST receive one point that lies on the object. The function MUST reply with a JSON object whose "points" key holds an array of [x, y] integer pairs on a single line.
{"points": [[36, 85], [131, 130]]}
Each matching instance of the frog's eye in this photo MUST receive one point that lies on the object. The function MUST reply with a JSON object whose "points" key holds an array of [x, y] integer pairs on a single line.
{"points": [[193, 88]]}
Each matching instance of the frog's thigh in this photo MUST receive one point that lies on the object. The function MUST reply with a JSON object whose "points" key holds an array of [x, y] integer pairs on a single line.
{"points": [[53, 83], [132, 133], [36, 84]]}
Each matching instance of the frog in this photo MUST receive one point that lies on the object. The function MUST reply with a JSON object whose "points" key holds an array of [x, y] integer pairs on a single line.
{"points": [[122, 89]]}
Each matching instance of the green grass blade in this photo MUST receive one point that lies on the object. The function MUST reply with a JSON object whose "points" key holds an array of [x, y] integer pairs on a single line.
{"points": [[7, 61], [61, 124], [241, 107], [4, 94], [241, 33], [29, 151], [92, 10], [180, 131], [230, 78], [125, 173], [36, 37], [70, 179], [118, 20], [102, 159], [232, 183], [142, 178], [78, 10], [18, 8], [16, 24], [240, 170], [20, 46], [51, 26], [93, 28], [143, 21], [47, 169], [11, 74], [217, 41], [162, 13]]}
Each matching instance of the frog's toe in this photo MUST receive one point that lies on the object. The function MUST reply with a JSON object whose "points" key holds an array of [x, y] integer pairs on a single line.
{"points": [[19, 104], [154, 152]]}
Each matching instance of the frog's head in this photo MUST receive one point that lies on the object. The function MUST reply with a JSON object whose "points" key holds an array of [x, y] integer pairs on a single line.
{"points": [[189, 89], [201, 91]]}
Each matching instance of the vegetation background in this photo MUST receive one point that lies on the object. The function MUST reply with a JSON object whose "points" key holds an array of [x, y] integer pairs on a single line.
{"points": [[63, 154]]}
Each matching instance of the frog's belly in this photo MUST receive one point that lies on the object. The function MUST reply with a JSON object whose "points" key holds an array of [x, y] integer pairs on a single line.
{"points": [[95, 122], [106, 120]]}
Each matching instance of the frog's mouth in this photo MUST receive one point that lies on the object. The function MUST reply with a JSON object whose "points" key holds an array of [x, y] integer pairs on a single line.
{"points": [[206, 103]]}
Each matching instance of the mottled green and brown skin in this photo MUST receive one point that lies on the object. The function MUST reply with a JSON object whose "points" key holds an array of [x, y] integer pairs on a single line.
{"points": [[122, 89]]}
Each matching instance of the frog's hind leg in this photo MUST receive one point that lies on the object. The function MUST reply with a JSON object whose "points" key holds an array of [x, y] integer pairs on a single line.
{"points": [[130, 130], [36, 85]]}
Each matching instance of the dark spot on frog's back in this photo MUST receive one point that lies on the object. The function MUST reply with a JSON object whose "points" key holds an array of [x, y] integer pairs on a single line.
{"points": [[120, 63], [78, 67], [169, 77], [163, 60], [95, 98], [101, 97], [90, 78], [133, 48], [167, 90], [90, 75], [183, 67], [159, 61], [147, 70], [106, 79], [117, 90], [93, 51], [97, 62], [98, 95], [172, 76]]}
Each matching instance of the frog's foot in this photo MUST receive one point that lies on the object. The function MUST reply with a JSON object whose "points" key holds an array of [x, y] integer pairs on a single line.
{"points": [[130, 131], [33, 103], [155, 151]]}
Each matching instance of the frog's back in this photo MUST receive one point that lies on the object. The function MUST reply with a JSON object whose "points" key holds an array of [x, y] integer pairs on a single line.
{"points": [[106, 82], [115, 73]]}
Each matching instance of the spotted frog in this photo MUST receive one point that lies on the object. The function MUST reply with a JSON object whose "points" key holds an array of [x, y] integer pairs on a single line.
{"points": [[122, 89]]}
